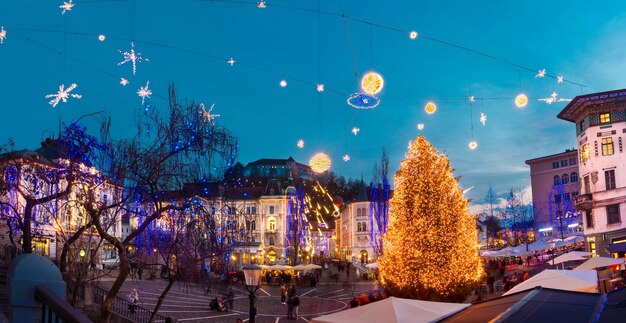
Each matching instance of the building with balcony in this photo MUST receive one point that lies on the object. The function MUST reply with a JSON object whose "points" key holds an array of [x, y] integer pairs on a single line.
{"points": [[354, 230], [555, 183], [600, 122]]}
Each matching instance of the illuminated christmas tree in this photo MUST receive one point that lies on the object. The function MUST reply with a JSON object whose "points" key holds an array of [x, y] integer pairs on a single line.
{"points": [[430, 248]]}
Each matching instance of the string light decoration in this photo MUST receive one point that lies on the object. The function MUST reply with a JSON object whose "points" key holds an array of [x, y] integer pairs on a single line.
{"points": [[300, 143], [283, 83], [123, 81], [355, 130], [430, 248], [430, 107], [132, 56], [554, 97], [413, 34], [207, 114], [102, 37], [420, 126], [521, 100], [483, 119], [144, 92], [320, 163], [346, 158], [372, 83], [541, 73], [3, 34], [472, 145], [67, 6], [363, 101], [62, 95]]}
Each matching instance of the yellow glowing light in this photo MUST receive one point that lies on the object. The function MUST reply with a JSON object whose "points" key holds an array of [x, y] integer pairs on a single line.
{"points": [[430, 107], [472, 145], [372, 83], [584, 153], [413, 34], [102, 37], [320, 163], [283, 83], [420, 126], [521, 100]]}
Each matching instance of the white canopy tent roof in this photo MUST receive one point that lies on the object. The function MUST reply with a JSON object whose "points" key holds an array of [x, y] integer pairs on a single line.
{"points": [[394, 310], [372, 265], [598, 262], [571, 256], [572, 280]]}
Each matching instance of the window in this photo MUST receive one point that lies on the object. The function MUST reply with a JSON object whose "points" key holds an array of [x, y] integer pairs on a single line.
{"points": [[605, 117], [565, 178], [271, 241], [612, 214], [358, 213], [581, 126], [556, 180], [607, 146], [564, 163], [272, 225], [589, 218], [253, 225], [271, 209], [573, 177], [364, 227], [609, 179], [572, 161], [555, 164], [358, 229], [587, 185]]}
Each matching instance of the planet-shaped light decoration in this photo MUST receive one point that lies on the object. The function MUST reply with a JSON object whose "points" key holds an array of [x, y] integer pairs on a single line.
{"points": [[283, 83], [472, 145], [372, 83], [102, 37], [413, 34], [361, 100], [320, 163], [430, 107], [521, 100], [420, 126]]}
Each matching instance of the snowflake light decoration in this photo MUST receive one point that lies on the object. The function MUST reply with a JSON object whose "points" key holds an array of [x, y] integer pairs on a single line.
{"points": [[144, 92], [3, 34], [346, 158], [63, 94], [472, 99], [132, 56], [362, 100], [67, 6], [231, 61], [541, 73], [483, 118], [355, 130], [554, 97], [559, 79], [300, 143], [207, 114], [124, 81], [420, 126]]}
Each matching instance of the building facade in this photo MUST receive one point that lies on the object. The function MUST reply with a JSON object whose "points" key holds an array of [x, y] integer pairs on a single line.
{"points": [[353, 233], [600, 122], [555, 184]]}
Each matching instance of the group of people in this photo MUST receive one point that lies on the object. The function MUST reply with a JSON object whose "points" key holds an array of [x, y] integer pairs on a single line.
{"points": [[366, 299], [510, 282], [289, 297]]}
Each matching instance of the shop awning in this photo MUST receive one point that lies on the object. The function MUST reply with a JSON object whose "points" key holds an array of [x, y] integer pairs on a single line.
{"points": [[617, 247]]}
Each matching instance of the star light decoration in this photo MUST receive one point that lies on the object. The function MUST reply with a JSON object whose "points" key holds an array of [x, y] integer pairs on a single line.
{"points": [[144, 92], [483, 118], [356, 130], [300, 143], [231, 61], [207, 114], [132, 56], [123, 81], [559, 79], [420, 126], [320, 87], [261, 4], [67, 6], [3, 34], [472, 99], [553, 98], [62, 95], [346, 158], [541, 73]]}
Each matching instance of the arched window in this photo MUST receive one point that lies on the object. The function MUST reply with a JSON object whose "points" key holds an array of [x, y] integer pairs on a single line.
{"points": [[358, 229], [573, 177], [565, 178], [556, 180], [364, 227]]}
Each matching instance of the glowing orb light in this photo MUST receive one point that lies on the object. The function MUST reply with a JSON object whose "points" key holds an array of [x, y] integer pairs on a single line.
{"points": [[283, 83], [363, 101], [102, 37], [320, 163], [430, 107], [372, 83], [413, 34], [472, 145], [420, 126], [521, 100]]}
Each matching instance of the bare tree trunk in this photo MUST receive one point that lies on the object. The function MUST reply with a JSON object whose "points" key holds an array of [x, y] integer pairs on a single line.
{"points": [[105, 308], [27, 236], [170, 283], [69, 243]]}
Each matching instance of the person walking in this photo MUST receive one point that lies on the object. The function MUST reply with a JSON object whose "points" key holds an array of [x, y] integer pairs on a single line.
{"points": [[290, 308], [133, 298], [490, 282], [283, 294], [296, 303], [230, 297]]}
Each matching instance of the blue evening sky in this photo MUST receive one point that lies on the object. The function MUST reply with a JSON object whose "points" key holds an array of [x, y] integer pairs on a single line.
{"points": [[188, 42]]}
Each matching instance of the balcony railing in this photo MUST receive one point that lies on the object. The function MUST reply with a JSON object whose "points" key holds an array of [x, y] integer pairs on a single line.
{"points": [[55, 309], [583, 201]]}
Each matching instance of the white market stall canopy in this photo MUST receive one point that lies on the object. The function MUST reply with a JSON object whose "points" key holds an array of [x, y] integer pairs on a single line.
{"points": [[598, 262], [572, 280], [571, 256], [372, 265], [394, 310]]}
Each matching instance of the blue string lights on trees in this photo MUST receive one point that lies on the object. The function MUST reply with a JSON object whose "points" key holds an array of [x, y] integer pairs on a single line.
{"points": [[297, 223], [379, 195]]}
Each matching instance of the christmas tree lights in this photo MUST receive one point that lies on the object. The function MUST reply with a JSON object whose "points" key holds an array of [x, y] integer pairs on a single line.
{"points": [[430, 248]]}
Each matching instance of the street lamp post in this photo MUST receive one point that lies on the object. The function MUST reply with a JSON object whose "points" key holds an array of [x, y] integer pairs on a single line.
{"points": [[252, 274]]}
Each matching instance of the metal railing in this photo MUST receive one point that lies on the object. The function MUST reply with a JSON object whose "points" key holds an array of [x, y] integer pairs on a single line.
{"points": [[125, 308], [55, 309]]}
